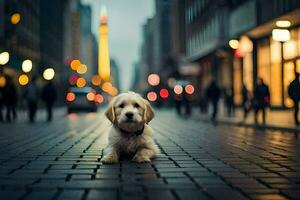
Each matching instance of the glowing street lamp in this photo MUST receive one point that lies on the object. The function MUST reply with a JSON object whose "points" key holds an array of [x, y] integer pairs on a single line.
{"points": [[23, 79], [49, 74], [234, 44], [103, 58], [27, 66], [4, 58], [283, 23]]}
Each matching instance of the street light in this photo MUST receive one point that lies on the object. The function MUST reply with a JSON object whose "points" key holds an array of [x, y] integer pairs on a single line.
{"points": [[234, 44], [4, 58], [15, 18], [27, 66], [283, 23]]}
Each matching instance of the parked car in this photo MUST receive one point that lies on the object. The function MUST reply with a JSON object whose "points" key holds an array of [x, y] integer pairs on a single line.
{"points": [[81, 99]]}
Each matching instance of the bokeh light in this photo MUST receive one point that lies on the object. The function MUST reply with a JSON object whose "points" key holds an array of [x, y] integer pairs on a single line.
{"points": [[106, 86], [81, 82], [81, 69], [23, 79], [90, 96], [153, 79], [27, 66], [96, 80], [178, 89], [70, 96], [2, 81], [189, 89], [164, 93], [49, 74], [4, 58], [152, 96], [99, 98], [234, 44], [73, 79], [15, 18], [75, 64]]}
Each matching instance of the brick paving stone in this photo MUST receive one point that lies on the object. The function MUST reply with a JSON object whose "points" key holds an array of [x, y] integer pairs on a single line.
{"points": [[198, 160]]}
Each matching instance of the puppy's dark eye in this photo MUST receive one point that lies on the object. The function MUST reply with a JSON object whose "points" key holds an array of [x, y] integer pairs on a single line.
{"points": [[121, 105], [136, 105]]}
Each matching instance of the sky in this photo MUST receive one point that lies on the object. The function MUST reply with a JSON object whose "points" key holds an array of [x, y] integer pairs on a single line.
{"points": [[125, 20]]}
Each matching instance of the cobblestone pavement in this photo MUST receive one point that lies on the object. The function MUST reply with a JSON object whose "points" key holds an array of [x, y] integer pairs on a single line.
{"points": [[198, 160]]}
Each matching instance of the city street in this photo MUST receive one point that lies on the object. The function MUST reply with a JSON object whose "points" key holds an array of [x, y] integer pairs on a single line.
{"points": [[198, 160]]}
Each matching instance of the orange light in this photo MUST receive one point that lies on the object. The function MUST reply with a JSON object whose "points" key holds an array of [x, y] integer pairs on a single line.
{"points": [[81, 69], [178, 89], [70, 96], [164, 93], [96, 80], [90, 96], [15, 18], [75, 64], [106, 86], [81, 82], [99, 98], [152, 96], [2, 81], [23, 79], [153, 79], [189, 89]]}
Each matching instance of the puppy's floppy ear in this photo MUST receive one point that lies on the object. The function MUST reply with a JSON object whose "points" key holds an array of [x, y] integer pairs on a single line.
{"points": [[148, 113], [110, 111]]}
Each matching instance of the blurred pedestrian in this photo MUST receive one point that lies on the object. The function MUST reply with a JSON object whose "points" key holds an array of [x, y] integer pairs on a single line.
{"points": [[213, 93], [186, 100], [246, 101], [229, 102], [49, 94], [203, 103], [32, 94], [294, 93], [10, 99], [178, 103], [1, 102], [261, 99]]}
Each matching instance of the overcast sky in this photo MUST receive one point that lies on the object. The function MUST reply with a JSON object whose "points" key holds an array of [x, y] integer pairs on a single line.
{"points": [[125, 19]]}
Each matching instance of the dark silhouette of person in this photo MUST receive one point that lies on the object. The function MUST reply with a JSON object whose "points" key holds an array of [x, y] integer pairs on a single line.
{"points": [[294, 93], [202, 102], [1, 102], [229, 102], [10, 99], [261, 99], [213, 94], [186, 100], [32, 94], [178, 103], [246, 101], [49, 95]]}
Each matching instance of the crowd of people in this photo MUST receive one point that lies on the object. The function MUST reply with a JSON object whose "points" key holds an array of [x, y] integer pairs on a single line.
{"points": [[31, 95], [257, 101]]}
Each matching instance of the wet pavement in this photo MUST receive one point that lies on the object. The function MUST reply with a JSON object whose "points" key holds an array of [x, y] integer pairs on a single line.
{"points": [[198, 160]]}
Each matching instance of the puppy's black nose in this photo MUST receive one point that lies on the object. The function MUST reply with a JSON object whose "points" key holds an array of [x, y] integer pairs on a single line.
{"points": [[129, 115]]}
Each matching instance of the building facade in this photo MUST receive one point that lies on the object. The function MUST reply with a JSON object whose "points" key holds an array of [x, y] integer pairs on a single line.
{"points": [[209, 28]]}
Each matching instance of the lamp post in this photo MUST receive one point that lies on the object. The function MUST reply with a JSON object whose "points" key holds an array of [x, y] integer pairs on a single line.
{"points": [[281, 35]]}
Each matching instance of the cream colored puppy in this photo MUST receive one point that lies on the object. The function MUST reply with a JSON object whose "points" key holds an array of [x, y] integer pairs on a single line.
{"points": [[130, 133]]}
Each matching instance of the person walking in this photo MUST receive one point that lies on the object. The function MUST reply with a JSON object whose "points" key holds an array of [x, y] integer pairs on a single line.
{"points": [[294, 93], [213, 94], [10, 99], [49, 94], [229, 102], [246, 101], [261, 99], [32, 94]]}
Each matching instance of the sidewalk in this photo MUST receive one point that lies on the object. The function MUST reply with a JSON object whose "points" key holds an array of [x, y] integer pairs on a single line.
{"points": [[275, 119]]}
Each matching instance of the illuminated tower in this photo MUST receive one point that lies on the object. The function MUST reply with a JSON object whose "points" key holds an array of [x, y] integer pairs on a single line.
{"points": [[104, 61]]}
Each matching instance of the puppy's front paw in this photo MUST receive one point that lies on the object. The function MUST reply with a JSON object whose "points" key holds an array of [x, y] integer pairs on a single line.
{"points": [[109, 159], [141, 159]]}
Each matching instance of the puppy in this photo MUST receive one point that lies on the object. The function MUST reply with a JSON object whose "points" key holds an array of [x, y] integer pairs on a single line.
{"points": [[130, 133]]}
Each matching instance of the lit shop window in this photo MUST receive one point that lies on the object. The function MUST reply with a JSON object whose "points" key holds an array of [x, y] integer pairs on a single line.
{"points": [[276, 80], [289, 75]]}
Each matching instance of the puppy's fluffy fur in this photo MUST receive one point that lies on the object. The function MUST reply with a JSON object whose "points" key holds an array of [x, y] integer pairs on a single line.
{"points": [[130, 133]]}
